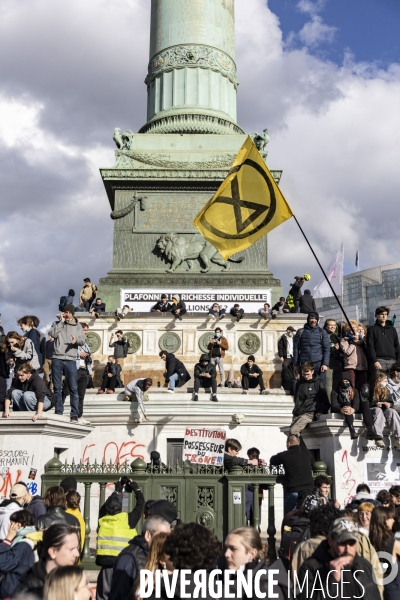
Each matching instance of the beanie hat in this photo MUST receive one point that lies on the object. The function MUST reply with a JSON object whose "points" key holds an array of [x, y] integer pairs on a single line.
{"points": [[69, 483], [313, 314], [113, 504], [155, 457], [163, 508], [71, 292], [69, 308], [176, 297]]}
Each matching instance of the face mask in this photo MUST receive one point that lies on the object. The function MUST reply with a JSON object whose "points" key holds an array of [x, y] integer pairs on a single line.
{"points": [[346, 385], [290, 334], [217, 335], [383, 384]]}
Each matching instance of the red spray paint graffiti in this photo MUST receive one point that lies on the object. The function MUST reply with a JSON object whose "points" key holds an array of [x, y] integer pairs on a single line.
{"points": [[7, 481], [348, 478], [116, 453]]}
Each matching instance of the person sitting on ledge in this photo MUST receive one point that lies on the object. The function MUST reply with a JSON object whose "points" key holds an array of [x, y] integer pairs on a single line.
{"points": [[178, 307], [161, 306], [264, 312], [137, 390], [281, 306], [252, 376], [216, 311], [121, 313], [205, 375], [111, 374], [176, 374], [97, 308], [347, 401], [237, 312], [310, 399], [28, 392], [231, 458]]}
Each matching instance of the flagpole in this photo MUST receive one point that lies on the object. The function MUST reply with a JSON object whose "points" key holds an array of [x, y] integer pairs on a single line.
{"points": [[341, 332], [324, 274]]}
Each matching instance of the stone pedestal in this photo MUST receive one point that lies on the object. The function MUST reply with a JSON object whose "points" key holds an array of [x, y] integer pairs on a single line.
{"points": [[148, 333]]}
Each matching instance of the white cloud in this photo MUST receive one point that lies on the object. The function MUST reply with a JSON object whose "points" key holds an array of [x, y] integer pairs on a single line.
{"points": [[316, 31]]}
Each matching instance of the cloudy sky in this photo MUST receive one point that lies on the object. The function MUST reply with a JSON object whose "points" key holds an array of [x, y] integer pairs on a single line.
{"points": [[323, 76]]}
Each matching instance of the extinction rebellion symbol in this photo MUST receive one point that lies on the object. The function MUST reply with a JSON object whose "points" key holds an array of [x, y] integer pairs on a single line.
{"points": [[238, 203]]}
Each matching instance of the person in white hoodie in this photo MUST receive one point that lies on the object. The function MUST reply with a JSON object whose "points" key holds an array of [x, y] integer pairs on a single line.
{"points": [[19, 496]]}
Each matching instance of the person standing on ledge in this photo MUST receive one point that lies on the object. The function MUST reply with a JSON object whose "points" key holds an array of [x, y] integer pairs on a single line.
{"points": [[176, 374], [68, 336], [383, 347], [178, 307], [217, 348], [251, 376], [88, 294], [311, 345]]}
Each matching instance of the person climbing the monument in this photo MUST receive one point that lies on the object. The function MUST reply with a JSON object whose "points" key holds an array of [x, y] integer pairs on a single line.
{"points": [[311, 345], [383, 347], [295, 293], [310, 399], [205, 375], [236, 312], [120, 345], [88, 294], [176, 374], [217, 348], [68, 336], [137, 390], [252, 376], [177, 307], [161, 306], [98, 307]]}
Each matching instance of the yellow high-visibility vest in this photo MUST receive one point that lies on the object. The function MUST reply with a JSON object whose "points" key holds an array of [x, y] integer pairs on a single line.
{"points": [[114, 534]]}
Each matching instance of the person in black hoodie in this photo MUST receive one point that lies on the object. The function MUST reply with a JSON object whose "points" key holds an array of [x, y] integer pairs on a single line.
{"points": [[310, 399], [295, 292], [336, 563], [176, 374], [29, 392], [4, 375], [161, 306], [205, 375], [110, 376], [178, 307], [297, 461], [347, 402], [382, 341], [306, 303], [251, 376]]}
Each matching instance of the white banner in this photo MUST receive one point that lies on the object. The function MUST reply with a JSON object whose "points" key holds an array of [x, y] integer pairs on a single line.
{"points": [[204, 446], [335, 275], [197, 300]]}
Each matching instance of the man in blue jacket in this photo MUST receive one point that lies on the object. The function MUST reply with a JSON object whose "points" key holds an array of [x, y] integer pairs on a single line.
{"points": [[311, 344]]}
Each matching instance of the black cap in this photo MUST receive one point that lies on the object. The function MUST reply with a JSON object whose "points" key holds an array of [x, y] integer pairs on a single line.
{"points": [[155, 457], [163, 508], [290, 328]]}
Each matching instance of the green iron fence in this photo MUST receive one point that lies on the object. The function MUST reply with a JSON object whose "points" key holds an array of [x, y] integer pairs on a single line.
{"points": [[211, 496]]}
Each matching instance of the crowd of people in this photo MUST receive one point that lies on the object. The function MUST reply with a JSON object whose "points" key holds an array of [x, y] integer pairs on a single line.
{"points": [[42, 540]]}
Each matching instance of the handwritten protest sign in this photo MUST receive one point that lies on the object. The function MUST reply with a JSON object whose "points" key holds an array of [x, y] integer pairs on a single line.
{"points": [[204, 446]]}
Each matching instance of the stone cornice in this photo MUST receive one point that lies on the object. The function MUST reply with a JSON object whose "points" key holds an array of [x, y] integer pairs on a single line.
{"points": [[192, 56], [191, 123], [50, 425]]}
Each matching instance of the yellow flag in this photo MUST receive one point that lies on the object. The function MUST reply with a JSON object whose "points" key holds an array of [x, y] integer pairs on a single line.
{"points": [[247, 205]]}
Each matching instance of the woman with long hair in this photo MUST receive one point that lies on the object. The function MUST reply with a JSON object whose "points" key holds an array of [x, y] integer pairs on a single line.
{"points": [[354, 351], [383, 540], [67, 583], [21, 349], [156, 558], [60, 548], [244, 550], [380, 402]]}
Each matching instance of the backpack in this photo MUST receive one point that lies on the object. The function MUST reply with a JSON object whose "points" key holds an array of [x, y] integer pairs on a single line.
{"points": [[298, 531], [63, 302]]}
